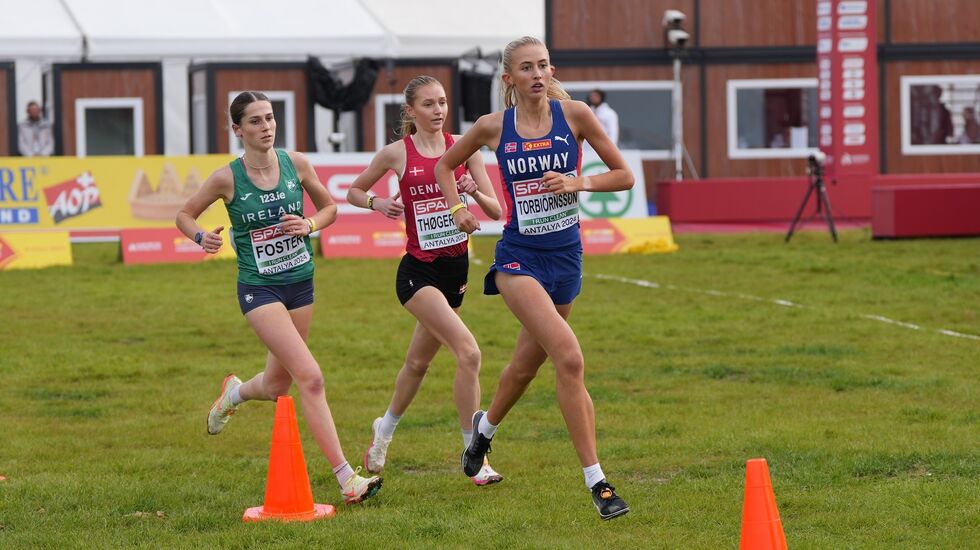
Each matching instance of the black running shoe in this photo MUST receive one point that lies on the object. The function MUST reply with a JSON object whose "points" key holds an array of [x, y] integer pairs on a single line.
{"points": [[474, 453], [607, 502]]}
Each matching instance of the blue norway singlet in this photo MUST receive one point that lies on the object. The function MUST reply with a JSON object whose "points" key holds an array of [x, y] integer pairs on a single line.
{"points": [[536, 217]]}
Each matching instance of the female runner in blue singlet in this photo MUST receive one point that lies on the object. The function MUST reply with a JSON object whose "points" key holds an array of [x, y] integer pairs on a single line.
{"points": [[538, 263]]}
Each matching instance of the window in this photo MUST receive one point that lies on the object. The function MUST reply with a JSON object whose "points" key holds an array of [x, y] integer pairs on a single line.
{"points": [[387, 119], [644, 111], [940, 115], [284, 111], [772, 118], [109, 126]]}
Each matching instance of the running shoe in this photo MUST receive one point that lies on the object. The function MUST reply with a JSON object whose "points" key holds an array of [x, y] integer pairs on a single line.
{"points": [[486, 476], [222, 409], [358, 488], [374, 458], [607, 502], [473, 455]]}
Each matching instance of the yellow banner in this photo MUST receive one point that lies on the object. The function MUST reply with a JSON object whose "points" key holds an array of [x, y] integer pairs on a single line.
{"points": [[103, 193], [645, 235], [31, 250]]}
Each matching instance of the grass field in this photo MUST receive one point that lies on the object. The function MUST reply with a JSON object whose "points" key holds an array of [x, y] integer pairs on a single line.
{"points": [[738, 346]]}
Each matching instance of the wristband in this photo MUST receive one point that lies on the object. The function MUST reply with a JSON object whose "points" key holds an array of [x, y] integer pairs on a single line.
{"points": [[454, 209], [312, 224], [370, 202], [198, 237]]}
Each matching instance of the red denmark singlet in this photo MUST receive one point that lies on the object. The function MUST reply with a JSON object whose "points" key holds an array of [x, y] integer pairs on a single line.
{"points": [[431, 230]]}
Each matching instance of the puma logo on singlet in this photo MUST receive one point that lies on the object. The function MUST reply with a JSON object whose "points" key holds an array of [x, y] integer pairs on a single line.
{"points": [[563, 139], [246, 196]]}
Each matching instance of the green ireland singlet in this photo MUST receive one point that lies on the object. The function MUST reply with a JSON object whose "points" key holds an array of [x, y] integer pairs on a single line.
{"points": [[266, 255]]}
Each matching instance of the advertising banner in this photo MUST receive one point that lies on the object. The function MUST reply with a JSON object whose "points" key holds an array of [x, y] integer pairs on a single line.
{"points": [[847, 101], [32, 250], [627, 235], [362, 233], [165, 244], [96, 195]]}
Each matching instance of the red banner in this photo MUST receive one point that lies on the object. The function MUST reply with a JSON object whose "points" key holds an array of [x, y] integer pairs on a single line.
{"points": [[363, 237], [847, 65], [152, 246]]}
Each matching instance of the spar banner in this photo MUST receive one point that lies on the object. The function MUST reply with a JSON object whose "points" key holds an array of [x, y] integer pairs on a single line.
{"points": [[102, 194], [338, 172], [847, 101], [362, 233], [30, 250]]}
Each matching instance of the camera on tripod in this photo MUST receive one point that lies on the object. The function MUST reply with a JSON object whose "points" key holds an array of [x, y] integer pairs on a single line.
{"points": [[815, 162], [816, 187]]}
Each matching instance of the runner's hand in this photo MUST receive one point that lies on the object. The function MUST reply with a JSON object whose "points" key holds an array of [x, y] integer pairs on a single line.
{"points": [[391, 208], [294, 225], [466, 184], [466, 221], [212, 241], [560, 183]]}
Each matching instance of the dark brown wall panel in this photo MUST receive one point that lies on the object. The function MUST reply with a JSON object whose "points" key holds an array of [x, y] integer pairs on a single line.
{"points": [[6, 148], [605, 24], [120, 82], [932, 21], [230, 80], [741, 23], [719, 165], [896, 162], [395, 84]]}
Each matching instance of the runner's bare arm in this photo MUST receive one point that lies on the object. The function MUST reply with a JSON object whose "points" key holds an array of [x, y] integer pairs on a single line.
{"points": [[390, 157], [326, 208], [484, 195], [219, 185], [486, 131], [586, 126]]}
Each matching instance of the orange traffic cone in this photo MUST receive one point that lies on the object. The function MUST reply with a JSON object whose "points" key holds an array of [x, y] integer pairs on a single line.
{"points": [[761, 528], [287, 489]]}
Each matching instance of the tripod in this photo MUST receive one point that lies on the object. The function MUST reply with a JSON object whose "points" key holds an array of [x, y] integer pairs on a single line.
{"points": [[815, 171]]}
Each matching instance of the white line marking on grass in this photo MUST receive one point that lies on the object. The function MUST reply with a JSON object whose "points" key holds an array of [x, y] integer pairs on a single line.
{"points": [[777, 301]]}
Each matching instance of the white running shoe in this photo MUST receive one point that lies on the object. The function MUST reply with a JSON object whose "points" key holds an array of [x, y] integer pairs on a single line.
{"points": [[222, 409], [358, 488], [374, 458], [486, 476]]}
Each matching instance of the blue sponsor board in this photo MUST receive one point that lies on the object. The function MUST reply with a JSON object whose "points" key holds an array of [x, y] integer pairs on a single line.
{"points": [[11, 216]]}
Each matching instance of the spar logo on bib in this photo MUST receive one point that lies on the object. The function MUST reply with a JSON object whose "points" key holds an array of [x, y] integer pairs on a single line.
{"points": [[434, 226], [540, 211], [275, 251], [72, 198]]}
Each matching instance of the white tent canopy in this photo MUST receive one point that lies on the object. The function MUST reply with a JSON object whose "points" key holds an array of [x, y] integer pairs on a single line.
{"points": [[250, 30], [38, 29], [447, 28], [244, 29]]}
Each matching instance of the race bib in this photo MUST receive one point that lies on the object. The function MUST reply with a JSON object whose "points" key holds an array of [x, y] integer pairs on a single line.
{"points": [[275, 251], [434, 226], [540, 211]]}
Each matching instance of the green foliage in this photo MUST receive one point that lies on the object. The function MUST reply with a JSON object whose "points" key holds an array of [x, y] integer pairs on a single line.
{"points": [[870, 429]]}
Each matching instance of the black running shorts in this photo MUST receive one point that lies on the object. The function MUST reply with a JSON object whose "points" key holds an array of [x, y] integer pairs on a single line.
{"points": [[448, 274]]}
